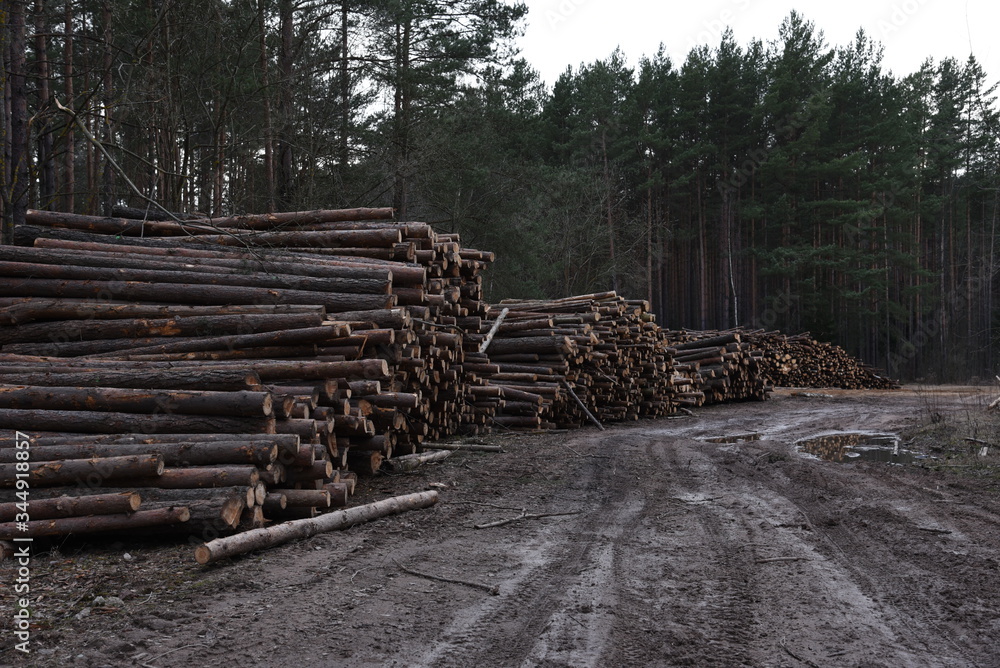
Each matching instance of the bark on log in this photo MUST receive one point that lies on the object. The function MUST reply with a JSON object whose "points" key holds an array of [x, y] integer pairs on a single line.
{"points": [[122, 423], [96, 523], [189, 293], [202, 326], [235, 379], [30, 309], [30, 265], [410, 462], [201, 477], [173, 454], [69, 471], [227, 404], [73, 506], [230, 546]]}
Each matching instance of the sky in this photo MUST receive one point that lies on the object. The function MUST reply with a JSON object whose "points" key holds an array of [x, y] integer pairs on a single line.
{"points": [[570, 32]]}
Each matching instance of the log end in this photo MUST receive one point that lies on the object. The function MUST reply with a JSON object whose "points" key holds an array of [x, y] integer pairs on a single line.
{"points": [[203, 554]]}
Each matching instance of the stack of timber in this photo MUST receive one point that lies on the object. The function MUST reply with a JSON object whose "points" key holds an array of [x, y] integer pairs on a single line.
{"points": [[802, 361], [564, 362], [715, 367], [356, 350]]}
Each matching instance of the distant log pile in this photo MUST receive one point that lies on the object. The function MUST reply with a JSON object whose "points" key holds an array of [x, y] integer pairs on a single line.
{"points": [[718, 367], [209, 376], [801, 361], [564, 362]]}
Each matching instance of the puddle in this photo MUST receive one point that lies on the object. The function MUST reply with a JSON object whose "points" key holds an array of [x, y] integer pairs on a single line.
{"points": [[857, 446], [739, 438]]}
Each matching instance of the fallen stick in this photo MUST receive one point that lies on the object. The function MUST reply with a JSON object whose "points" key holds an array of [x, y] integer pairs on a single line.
{"points": [[410, 462], [583, 406], [256, 539], [496, 326], [469, 447], [522, 516], [494, 590]]}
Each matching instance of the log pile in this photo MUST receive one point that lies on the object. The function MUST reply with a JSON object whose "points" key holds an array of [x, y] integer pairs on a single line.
{"points": [[207, 376], [348, 349], [564, 362], [716, 367], [802, 361]]}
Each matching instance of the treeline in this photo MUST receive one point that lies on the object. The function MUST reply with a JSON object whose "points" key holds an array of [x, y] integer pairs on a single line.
{"points": [[786, 185]]}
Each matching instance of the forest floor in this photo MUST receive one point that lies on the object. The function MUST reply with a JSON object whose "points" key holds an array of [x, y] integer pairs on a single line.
{"points": [[679, 552]]}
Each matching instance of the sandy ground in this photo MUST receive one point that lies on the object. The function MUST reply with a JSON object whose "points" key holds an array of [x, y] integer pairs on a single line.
{"points": [[679, 552]]}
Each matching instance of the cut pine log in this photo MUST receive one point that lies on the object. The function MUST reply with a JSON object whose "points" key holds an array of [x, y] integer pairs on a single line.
{"points": [[67, 505], [95, 523], [230, 546], [91, 472]]}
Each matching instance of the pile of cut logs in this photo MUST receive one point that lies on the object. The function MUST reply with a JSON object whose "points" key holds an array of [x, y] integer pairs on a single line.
{"points": [[337, 338], [801, 361], [560, 363], [207, 376], [717, 366]]}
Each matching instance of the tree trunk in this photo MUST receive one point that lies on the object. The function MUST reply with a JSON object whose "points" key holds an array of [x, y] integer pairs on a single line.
{"points": [[69, 149], [107, 89], [285, 185], [17, 188], [46, 163]]}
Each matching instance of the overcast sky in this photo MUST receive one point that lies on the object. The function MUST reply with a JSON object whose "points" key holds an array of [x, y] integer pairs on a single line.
{"points": [[571, 32]]}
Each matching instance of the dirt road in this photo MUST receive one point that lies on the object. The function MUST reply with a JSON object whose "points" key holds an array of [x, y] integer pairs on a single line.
{"points": [[680, 552]]}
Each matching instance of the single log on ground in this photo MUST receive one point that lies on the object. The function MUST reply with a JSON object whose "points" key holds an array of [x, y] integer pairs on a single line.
{"points": [[230, 546]]}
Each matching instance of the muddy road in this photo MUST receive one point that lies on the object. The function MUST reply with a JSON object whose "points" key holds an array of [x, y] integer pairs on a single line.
{"points": [[678, 552]]}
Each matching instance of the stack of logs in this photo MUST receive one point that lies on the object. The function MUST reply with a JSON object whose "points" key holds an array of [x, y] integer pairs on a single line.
{"points": [[717, 366], [801, 361], [560, 363], [336, 337], [211, 375]]}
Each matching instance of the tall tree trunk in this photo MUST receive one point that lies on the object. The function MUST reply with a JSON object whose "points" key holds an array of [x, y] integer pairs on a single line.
{"points": [[108, 176], [345, 92], [401, 121], [286, 17], [268, 123], [46, 164], [610, 210], [69, 150], [16, 191]]}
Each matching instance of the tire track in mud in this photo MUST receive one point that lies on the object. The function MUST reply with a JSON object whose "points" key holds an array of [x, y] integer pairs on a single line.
{"points": [[896, 563], [702, 606], [554, 612]]}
